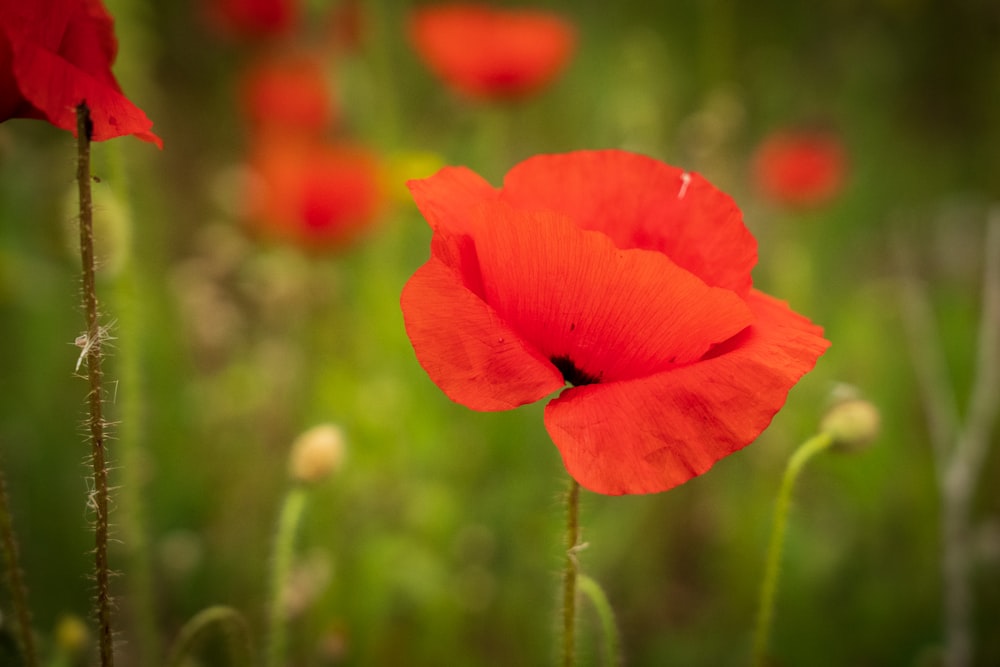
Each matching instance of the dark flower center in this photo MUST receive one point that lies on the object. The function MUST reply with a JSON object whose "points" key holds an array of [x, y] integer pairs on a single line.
{"points": [[571, 373]]}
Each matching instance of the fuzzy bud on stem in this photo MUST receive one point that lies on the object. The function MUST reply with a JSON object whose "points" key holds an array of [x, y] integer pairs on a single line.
{"points": [[316, 454], [853, 423]]}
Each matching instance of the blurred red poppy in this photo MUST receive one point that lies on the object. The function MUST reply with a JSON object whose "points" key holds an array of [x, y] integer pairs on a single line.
{"points": [[289, 92], [55, 54], [253, 19], [800, 168], [492, 53], [623, 276], [318, 196]]}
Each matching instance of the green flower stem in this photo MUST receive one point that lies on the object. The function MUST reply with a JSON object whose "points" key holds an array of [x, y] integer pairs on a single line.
{"points": [[95, 421], [612, 643], [284, 553], [570, 574], [772, 566], [15, 580], [232, 624]]}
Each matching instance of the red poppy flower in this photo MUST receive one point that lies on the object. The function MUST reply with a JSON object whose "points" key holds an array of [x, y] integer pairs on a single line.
{"points": [[55, 54], [625, 277], [254, 18], [800, 168], [288, 93], [319, 196], [492, 53]]}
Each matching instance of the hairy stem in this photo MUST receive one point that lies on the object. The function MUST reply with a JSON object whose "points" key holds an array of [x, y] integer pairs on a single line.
{"points": [[772, 564], [570, 574], [15, 579], [95, 420]]}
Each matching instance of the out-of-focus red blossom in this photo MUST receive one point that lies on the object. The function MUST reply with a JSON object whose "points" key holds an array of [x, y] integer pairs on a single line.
{"points": [[623, 276], [318, 196], [800, 168], [288, 92], [55, 54], [489, 53], [253, 19]]}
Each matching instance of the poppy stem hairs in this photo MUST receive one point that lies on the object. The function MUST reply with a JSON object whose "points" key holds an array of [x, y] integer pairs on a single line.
{"points": [[772, 564], [95, 421], [570, 574]]}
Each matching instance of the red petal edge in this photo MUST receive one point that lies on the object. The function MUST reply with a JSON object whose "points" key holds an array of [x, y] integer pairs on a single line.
{"points": [[651, 434], [448, 198], [466, 349], [56, 86], [641, 202]]}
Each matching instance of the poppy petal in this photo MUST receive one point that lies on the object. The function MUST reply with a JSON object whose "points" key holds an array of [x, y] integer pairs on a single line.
{"points": [[609, 314], [448, 198], [651, 434], [642, 203], [466, 348], [56, 86]]}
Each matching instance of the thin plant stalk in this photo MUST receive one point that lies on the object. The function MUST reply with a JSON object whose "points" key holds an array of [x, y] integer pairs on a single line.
{"points": [[612, 642], [960, 445], [234, 630], [15, 580], [95, 420], [772, 564], [570, 574], [284, 554]]}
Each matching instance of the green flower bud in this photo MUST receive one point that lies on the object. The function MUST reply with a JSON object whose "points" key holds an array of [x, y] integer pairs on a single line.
{"points": [[854, 423]]}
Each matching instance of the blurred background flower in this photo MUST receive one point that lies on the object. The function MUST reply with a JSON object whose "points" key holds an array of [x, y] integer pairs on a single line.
{"points": [[288, 93], [316, 195], [253, 19], [488, 52], [800, 168]]}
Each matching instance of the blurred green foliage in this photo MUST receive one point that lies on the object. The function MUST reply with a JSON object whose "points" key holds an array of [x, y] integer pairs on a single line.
{"points": [[438, 543]]}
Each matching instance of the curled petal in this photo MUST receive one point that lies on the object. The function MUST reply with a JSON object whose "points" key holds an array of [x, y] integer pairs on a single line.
{"points": [[60, 55], [606, 313], [467, 349], [653, 433]]}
